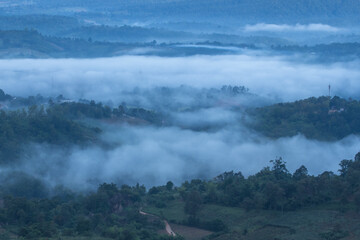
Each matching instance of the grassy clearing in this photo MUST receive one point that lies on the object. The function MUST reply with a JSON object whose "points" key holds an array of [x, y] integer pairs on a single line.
{"points": [[190, 233], [82, 238], [311, 224], [173, 212]]}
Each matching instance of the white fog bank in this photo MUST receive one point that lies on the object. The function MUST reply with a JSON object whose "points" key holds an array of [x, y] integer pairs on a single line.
{"points": [[104, 79], [313, 27], [153, 156]]}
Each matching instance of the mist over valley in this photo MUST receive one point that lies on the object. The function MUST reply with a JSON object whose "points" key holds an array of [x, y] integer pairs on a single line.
{"points": [[200, 123], [189, 120]]}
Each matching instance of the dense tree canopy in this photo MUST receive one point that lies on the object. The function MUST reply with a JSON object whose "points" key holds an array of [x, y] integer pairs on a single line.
{"points": [[320, 118]]}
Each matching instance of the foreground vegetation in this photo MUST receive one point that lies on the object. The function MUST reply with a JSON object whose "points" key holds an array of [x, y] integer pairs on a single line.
{"points": [[272, 203], [110, 213]]}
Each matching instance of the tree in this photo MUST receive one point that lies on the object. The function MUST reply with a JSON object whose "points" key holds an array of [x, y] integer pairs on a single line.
{"points": [[300, 173], [193, 203], [169, 186], [357, 157], [3, 96], [279, 168], [275, 196], [345, 165]]}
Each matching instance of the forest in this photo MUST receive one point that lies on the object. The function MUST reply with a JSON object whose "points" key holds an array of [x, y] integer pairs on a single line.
{"points": [[65, 122], [58, 122], [227, 206], [179, 119], [31, 211], [322, 118], [105, 41], [326, 52]]}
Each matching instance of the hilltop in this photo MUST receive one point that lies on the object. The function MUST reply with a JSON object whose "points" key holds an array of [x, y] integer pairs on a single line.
{"points": [[322, 118], [245, 11]]}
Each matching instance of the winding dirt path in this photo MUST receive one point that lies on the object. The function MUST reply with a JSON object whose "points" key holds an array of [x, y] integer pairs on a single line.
{"points": [[168, 229]]}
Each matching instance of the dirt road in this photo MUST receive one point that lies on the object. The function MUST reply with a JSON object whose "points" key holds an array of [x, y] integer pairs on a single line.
{"points": [[168, 229]]}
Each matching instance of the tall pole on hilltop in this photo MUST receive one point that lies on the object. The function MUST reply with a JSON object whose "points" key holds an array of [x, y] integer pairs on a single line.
{"points": [[329, 90]]}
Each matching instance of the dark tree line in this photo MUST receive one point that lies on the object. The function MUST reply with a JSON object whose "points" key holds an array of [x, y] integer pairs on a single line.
{"points": [[59, 123], [114, 212], [275, 188], [39, 125], [110, 212]]}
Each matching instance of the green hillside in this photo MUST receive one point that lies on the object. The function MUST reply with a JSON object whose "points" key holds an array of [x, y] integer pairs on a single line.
{"points": [[271, 204], [322, 118], [245, 11]]}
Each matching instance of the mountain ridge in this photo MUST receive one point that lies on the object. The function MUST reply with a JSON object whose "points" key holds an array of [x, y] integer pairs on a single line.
{"points": [[245, 11]]}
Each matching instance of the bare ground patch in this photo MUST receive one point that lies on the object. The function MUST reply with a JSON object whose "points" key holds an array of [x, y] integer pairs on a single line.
{"points": [[190, 233]]}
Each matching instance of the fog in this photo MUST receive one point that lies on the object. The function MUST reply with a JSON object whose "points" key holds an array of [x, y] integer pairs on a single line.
{"points": [[314, 27], [154, 155], [105, 79]]}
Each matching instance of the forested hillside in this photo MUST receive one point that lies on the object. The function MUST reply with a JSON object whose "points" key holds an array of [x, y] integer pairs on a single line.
{"points": [[46, 24], [179, 119], [322, 118], [31, 44], [325, 52], [39, 125], [139, 41], [274, 202], [290, 11], [58, 122], [229, 206], [64, 122]]}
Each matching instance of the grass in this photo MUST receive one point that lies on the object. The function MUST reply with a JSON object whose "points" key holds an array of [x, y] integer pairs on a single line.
{"points": [[173, 212], [309, 224], [81, 238], [7, 235], [190, 233]]}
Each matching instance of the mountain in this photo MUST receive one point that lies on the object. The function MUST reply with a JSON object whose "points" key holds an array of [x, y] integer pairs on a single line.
{"points": [[235, 11], [46, 24]]}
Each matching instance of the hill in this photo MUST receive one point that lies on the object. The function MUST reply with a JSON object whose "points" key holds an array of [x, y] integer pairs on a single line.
{"points": [[245, 11], [322, 118], [58, 122], [272, 204], [46, 24], [15, 43], [32, 44]]}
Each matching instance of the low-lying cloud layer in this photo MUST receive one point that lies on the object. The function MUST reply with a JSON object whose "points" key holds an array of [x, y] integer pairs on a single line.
{"points": [[105, 79], [153, 156], [314, 27]]}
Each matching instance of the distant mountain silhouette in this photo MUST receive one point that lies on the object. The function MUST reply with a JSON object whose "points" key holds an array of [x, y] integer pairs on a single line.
{"points": [[243, 11]]}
